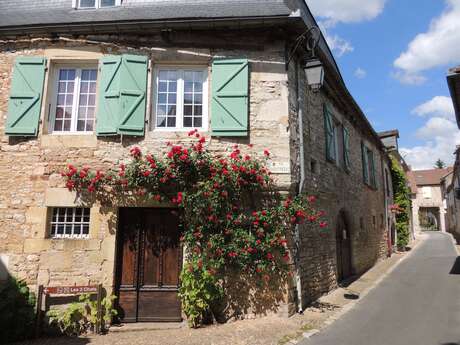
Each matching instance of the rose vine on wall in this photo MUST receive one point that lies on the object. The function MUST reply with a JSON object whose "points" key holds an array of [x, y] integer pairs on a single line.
{"points": [[232, 216]]}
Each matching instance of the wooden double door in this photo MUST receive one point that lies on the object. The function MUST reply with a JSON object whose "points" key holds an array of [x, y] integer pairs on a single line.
{"points": [[149, 260], [343, 245]]}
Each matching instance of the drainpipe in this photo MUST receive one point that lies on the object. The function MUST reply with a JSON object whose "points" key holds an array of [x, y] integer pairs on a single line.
{"points": [[301, 183]]}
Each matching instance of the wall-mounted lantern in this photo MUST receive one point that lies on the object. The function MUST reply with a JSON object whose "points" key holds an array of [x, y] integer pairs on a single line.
{"points": [[314, 72]]}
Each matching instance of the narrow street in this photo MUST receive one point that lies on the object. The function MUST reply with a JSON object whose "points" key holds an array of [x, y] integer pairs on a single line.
{"points": [[417, 304]]}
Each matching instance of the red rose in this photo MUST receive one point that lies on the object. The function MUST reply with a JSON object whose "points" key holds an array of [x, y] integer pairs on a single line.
{"points": [[146, 173], [266, 153]]}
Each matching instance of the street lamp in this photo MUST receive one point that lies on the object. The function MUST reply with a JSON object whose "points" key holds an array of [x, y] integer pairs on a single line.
{"points": [[314, 72], [314, 69]]}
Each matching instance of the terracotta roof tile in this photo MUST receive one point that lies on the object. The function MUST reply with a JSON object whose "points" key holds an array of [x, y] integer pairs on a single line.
{"points": [[428, 177]]}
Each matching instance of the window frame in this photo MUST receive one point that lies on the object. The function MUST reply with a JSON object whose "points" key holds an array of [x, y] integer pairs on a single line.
{"points": [[180, 98], [371, 167], [72, 236], [97, 5], [53, 94]]}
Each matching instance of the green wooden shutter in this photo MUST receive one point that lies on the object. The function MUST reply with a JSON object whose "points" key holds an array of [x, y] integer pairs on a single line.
{"points": [[365, 162], [133, 95], [372, 168], [26, 96], [346, 148], [108, 110], [230, 93], [329, 132]]}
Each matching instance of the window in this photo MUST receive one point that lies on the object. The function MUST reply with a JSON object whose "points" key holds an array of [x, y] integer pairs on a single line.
{"points": [[75, 100], [426, 191], [70, 222], [97, 3], [180, 99], [368, 161], [337, 141]]}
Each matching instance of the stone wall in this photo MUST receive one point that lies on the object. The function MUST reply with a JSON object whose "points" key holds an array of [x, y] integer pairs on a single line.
{"points": [[30, 168], [337, 190]]}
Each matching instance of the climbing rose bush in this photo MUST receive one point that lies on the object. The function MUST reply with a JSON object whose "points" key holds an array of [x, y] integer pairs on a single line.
{"points": [[232, 216]]}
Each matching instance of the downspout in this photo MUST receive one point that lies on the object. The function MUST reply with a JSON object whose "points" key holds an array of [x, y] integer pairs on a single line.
{"points": [[301, 183]]}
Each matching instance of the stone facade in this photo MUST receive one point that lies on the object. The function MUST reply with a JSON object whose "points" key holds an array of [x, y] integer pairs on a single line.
{"points": [[30, 181], [365, 208]]}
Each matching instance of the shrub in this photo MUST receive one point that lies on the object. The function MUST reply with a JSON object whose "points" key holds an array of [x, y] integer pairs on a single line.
{"points": [[17, 314], [80, 317]]}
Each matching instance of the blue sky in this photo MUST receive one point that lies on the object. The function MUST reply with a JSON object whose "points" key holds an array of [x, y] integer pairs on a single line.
{"points": [[394, 56]]}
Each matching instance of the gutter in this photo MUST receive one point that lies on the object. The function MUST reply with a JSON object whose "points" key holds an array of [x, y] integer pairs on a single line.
{"points": [[301, 183]]}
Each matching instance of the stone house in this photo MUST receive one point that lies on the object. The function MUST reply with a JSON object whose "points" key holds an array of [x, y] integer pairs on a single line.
{"points": [[450, 186], [428, 203], [83, 81]]}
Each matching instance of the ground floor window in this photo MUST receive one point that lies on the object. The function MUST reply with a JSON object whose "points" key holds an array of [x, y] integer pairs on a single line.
{"points": [[70, 222]]}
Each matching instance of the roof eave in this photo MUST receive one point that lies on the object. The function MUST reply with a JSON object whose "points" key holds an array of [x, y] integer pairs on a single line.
{"points": [[142, 25], [453, 81]]}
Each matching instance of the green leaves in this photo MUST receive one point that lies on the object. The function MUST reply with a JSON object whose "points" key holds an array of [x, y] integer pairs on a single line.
{"points": [[17, 314], [402, 199], [80, 317], [232, 216]]}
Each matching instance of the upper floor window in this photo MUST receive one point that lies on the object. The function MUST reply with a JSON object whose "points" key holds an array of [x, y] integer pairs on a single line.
{"points": [[180, 99], [426, 191], [74, 100], [97, 3], [369, 170], [337, 141]]}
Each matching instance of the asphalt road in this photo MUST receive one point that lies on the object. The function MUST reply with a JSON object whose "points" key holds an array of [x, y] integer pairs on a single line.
{"points": [[416, 304]]}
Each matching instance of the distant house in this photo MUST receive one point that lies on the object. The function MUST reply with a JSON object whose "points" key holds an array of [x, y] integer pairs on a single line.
{"points": [[428, 203], [88, 80]]}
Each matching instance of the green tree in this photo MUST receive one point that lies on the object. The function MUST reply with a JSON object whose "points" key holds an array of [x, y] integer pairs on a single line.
{"points": [[402, 200], [439, 164]]}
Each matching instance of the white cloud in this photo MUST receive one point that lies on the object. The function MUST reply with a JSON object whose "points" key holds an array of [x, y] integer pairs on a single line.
{"points": [[440, 134], [360, 73], [439, 106], [436, 47], [442, 137], [409, 78], [338, 44], [424, 156], [332, 12], [346, 11], [437, 127]]}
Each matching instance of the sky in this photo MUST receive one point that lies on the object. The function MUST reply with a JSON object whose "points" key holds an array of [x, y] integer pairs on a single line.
{"points": [[394, 57]]}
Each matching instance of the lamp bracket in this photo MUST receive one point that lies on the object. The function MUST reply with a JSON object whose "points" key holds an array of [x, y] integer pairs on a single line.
{"points": [[311, 36]]}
